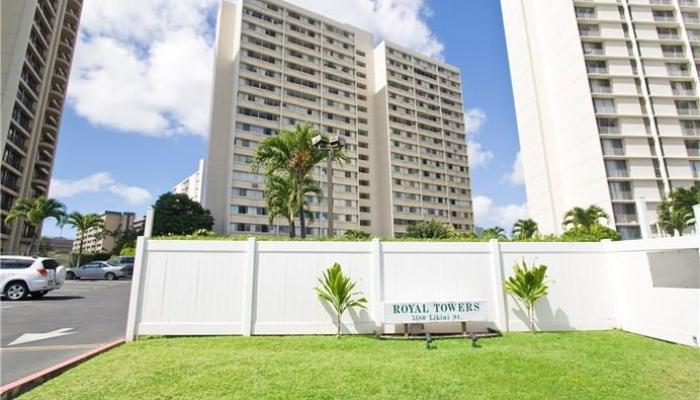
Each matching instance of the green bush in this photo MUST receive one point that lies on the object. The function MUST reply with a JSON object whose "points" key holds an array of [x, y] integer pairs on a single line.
{"points": [[128, 251], [432, 229], [88, 257], [595, 233], [353, 234]]}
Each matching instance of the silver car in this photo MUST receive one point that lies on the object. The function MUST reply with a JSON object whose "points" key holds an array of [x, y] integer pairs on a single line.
{"points": [[95, 270]]}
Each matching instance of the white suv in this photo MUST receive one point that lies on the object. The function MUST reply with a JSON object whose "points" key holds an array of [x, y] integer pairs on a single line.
{"points": [[21, 276]]}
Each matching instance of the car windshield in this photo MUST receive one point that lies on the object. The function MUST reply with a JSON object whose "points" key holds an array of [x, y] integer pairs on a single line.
{"points": [[113, 261]]}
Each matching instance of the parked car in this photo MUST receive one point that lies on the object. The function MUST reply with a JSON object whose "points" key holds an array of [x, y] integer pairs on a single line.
{"points": [[95, 270], [22, 276], [126, 263]]}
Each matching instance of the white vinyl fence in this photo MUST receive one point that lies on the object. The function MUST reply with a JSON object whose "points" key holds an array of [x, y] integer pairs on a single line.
{"points": [[650, 286]]}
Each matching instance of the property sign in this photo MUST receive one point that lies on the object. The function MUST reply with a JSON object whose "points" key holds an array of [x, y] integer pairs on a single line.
{"points": [[437, 311]]}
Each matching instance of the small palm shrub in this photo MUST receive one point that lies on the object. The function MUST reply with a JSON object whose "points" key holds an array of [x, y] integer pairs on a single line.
{"points": [[432, 229], [594, 233], [336, 289], [353, 234], [527, 285]]}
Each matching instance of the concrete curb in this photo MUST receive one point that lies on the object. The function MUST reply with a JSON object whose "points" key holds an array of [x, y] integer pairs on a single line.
{"points": [[14, 389]]}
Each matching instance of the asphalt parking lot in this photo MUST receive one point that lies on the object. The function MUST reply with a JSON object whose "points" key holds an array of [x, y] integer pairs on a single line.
{"points": [[82, 315]]}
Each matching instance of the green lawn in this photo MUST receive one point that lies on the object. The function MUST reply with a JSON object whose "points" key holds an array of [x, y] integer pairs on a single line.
{"points": [[573, 365]]}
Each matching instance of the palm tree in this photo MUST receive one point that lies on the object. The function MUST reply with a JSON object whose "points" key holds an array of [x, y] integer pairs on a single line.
{"points": [[281, 198], [676, 211], [494, 233], [584, 217], [336, 288], [82, 223], [528, 285], [33, 212], [525, 229], [292, 154]]}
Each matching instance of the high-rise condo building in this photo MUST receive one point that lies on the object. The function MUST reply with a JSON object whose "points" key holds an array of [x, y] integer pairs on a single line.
{"points": [[192, 185], [38, 39], [606, 95], [278, 65]]}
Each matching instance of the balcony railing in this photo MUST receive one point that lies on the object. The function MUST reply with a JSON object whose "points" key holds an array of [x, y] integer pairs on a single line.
{"points": [[673, 54], [625, 218], [683, 92], [622, 195]]}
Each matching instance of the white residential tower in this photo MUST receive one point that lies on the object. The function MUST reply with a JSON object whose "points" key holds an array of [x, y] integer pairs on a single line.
{"points": [[607, 104]]}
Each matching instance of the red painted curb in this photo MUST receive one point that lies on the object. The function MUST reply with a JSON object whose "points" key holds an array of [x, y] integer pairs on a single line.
{"points": [[14, 389]]}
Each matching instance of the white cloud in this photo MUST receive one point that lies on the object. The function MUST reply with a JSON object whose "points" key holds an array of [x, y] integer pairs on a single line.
{"points": [[486, 214], [515, 175], [100, 182], [145, 66], [399, 21], [478, 157], [474, 119]]}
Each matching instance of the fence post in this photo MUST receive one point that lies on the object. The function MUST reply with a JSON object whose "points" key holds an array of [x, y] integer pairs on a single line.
{"points": [[377, 285], [136, 295], [499, 295], [249, 286], [148, 226], [696, 214]]}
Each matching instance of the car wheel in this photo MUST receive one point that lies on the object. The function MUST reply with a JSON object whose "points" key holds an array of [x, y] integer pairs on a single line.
{"points": [[16, 291], [38, 295], [110, 276], [70, 275]]}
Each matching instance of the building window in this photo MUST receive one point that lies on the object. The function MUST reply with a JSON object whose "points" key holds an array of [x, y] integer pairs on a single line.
{"points": [[600, 86], [593, 48], [613, 147], [604, 106], [620, 190], [616, 168], [625, 213], [629, 232], [695, 167], [686, 107], [608, 126], [596, 67]]}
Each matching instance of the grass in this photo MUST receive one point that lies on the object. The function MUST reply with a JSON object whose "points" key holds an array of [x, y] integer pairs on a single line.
{"points": [[572, 365]]}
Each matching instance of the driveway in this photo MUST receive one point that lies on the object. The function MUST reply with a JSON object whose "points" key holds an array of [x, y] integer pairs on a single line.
{"points": [[82, 315]]}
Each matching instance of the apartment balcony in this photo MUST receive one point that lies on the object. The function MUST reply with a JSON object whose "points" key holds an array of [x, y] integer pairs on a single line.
{"points": [[614, 152], [622, 195], [673, 54], [664, 18]]}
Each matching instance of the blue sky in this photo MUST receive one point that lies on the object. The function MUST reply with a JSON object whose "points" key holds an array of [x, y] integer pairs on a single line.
{"points": [[135, 121]]}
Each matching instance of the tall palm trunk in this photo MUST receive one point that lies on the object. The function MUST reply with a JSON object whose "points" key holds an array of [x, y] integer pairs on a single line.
{"points": [[36, 242], [31, 242], [80, 250], [292, 227], [300, 199]]}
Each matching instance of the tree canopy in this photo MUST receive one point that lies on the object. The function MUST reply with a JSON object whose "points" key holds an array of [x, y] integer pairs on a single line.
{"points": [[177, 214]]}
